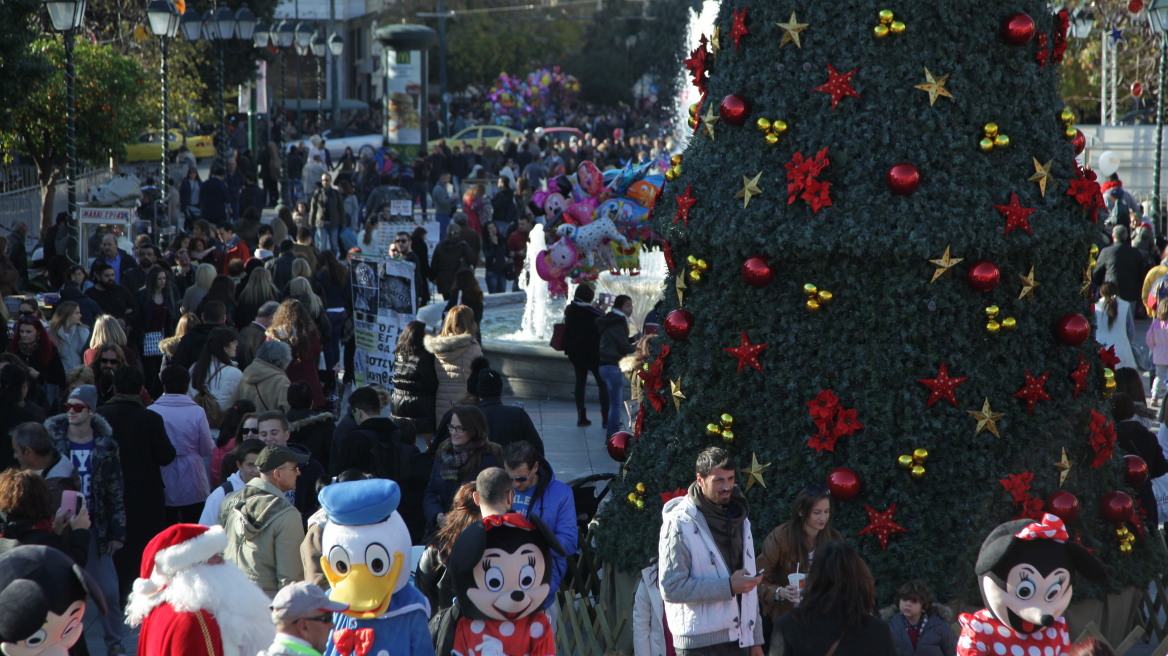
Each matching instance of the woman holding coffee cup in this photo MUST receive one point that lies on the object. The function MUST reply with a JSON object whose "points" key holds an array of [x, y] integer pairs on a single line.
{"points": [[789, 550]]}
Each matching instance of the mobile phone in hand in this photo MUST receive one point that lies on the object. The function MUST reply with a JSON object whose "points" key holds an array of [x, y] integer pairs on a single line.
{"points": [[71, 503]]}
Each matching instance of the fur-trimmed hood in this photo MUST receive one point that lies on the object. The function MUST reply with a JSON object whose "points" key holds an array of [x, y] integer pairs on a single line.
{"points": [[58, 427], [449, 347], [311, 420]]}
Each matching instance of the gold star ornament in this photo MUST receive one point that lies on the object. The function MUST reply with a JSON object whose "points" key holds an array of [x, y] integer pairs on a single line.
{"points": [[791, 30], [934, 86], [1028, 285], [708, 120], [679, 287], [1064, 467], [716, 41], [754, 472], [987, 419], [944, 264], [675, 391], [749, 189], [1042, 175]]}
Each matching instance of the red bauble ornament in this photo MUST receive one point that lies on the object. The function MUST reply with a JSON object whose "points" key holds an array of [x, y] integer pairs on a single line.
{"points": [[843, 483], [903, 178], [1135, 6], [1018, 29], [757, 271], [734, 109], [1063, 504], [618, 445], [1137, 89], [983, 275], [1136, 473], [1116, 507], [1073, 329], [678, 324], [1079, 142]]}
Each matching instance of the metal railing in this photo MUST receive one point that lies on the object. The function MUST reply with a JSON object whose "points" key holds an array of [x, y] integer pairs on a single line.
{"points": [[24, 203]]}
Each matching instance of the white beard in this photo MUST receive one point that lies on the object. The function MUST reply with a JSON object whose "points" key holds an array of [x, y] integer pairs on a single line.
{"points": [[239, 606]]}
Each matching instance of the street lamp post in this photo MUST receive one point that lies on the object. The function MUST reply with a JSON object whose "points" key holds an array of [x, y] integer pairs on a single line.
{"points": [[261, 36], [303, 36], [283, 39], [318, 49], [1158, 18], [66, 16], [164, 21], [336, 46]]}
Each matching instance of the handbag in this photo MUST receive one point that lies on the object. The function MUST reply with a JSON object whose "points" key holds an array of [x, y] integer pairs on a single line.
{"points": [[150, 343], [559, 331]]}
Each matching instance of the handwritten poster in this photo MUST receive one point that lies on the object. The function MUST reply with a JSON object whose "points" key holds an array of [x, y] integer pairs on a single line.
{"points": [[383, 303]]}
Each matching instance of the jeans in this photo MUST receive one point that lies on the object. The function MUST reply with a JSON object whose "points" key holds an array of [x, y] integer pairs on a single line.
{"points": [[614, 383], [1158, 386], [326, 237], [443, 223], [581, 382], [496, 281], [101, 567], [332, 346]]}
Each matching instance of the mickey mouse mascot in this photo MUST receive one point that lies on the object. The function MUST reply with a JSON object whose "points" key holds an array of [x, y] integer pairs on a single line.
{"points": [[502, 573], [43, 596], [1024, 571]]}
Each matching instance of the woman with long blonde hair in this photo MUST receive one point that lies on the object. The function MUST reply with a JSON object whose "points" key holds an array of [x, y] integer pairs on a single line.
{"points": [[454, 349], [107, 330], [68, 333], [204, 276], [259, 290], [292, 325]]}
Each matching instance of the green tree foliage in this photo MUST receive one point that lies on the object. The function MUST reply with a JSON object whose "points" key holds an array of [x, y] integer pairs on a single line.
{"points": [[889, 325], [109, 110], [20, 68], [483, 45]]}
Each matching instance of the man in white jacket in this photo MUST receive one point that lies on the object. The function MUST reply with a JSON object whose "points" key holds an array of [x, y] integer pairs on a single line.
{"points": [[706, 557], [245, 453]]}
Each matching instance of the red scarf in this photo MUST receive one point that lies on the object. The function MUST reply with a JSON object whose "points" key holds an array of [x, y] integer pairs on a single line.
{"points": [[1111, 184]]}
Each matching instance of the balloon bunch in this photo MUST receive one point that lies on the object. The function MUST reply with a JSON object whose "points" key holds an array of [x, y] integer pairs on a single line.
{"points": [[598, 221], [513, 99]]}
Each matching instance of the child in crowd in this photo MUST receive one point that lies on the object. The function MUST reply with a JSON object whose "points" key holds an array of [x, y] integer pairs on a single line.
{"points": [[1157, 340], [918, 629]]}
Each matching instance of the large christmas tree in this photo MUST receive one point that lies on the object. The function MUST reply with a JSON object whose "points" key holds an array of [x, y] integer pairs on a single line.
{"points": [[882, 233]]}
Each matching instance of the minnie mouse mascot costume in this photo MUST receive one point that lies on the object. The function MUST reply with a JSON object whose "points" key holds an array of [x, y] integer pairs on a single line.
{"points": [[502, 572], [1024, 572]]}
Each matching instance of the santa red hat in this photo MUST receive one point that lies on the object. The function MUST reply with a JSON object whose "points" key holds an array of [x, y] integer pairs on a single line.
{"points": [[175, 549]]}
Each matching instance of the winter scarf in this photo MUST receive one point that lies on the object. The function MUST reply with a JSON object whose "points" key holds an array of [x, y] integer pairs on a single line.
{"points": [[454, 458], [725, 523]]}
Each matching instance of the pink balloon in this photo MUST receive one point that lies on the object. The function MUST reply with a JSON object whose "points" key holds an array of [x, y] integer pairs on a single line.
{"points": [[581, 213], [590, 178], [554, 204]]}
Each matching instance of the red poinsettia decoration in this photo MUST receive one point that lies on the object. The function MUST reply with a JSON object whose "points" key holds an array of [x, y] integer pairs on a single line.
{"points": [[696, 65], [1062, 23], [666, 497], [1102, 439], [801, 174], [1018, 487], [639, 424], [667, 250], [653, 380], [831, 421], [1087, 192], [1108, 356]]}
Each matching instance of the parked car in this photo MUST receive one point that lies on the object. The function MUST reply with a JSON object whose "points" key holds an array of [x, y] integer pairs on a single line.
{"points": [[148, 145], [559, 136], [363, 142], [477, 136]]}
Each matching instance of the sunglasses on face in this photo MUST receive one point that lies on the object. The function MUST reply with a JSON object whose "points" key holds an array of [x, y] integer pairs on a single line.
{"points": [[76, 407], [519, 479], [400, 241], [27, 313], [109, 361], [245, 430], [323, 618]]}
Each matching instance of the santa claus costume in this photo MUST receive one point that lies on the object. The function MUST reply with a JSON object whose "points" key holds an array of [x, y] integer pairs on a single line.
{"points": [[191, 602]]}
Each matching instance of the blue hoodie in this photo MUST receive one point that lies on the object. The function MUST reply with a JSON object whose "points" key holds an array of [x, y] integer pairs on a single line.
{"points": [[555, 505]]}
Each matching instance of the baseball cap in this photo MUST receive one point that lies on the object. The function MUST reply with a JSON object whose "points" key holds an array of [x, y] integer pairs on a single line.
{"points": [[273, 456], [302, 599]]}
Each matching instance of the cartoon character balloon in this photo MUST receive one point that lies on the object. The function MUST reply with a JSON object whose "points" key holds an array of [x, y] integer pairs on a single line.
{"points": [[590, 178], [593, 241], [43, 596], [555, 263]]}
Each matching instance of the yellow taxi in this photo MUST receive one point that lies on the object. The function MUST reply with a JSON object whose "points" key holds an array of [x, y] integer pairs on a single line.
{"points": [[148, 145], [477, 136]]}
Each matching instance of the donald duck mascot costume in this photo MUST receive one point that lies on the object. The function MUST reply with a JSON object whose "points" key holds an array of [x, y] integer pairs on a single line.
{"points": [[365, 556]]}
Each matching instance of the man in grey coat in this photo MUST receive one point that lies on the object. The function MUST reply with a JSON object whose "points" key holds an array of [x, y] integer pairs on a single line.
{"points": [[443, 202]]}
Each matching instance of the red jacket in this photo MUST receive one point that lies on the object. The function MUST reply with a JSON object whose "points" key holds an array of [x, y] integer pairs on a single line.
{"points": [[236, 250], [167, 632]]}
